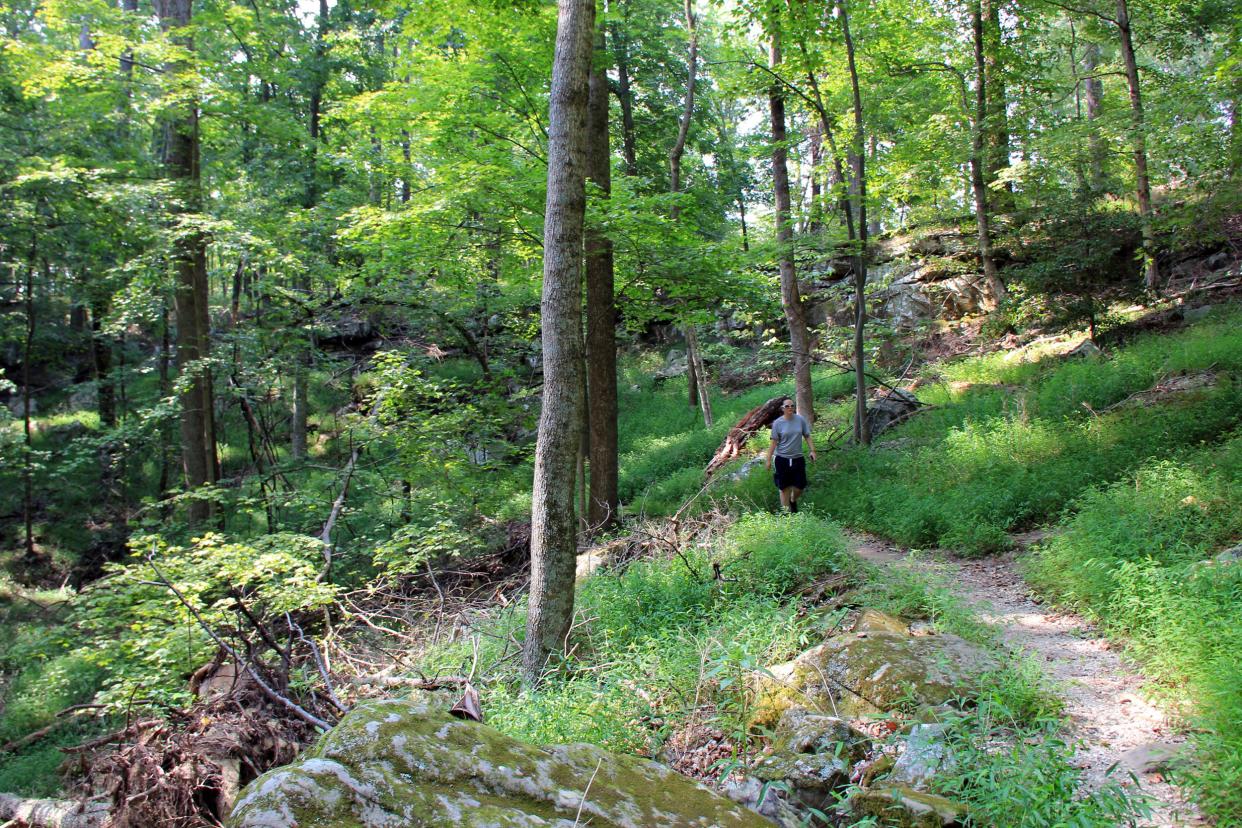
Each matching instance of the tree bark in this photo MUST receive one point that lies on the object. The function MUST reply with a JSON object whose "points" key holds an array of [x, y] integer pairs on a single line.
{"points": [[310, 199], [52, 813], [1093, 90], [791, 298], [28, 435], [747, 427], [699, 393], [698, 373], [625, 96], [687, 112], [552, 509], [181, 163], [978, 177], [601, 347], [101, 353], [1138, 138], [862, 432], [996, 120]]}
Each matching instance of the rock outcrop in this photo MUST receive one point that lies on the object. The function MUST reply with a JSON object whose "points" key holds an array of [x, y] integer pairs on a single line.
{"points": [[872, 671], [409, 763]]}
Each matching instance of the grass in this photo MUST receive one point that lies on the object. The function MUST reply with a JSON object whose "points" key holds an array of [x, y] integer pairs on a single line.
{"points": [[648, 636], [1137, 557], [1000, 457]]}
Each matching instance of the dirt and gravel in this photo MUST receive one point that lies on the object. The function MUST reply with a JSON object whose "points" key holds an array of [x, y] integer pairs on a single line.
{"points": [[1117, 725]]}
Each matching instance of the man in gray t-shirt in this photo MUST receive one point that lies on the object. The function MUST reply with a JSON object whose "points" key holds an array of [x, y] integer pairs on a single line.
{"points": [[788, 432]]}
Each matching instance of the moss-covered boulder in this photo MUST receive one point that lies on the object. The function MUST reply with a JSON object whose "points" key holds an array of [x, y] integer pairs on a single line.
{"points": [[871, 671], [900, 807], [872, 620], [409, 763]]}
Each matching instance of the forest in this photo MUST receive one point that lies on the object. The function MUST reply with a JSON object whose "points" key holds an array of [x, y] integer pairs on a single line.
{"points": [[386, 387]]}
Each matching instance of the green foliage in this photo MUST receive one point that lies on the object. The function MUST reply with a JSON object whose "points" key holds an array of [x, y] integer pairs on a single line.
{"points": [[1022, 775], [660, 637], [993, 459], [1132, 556]]}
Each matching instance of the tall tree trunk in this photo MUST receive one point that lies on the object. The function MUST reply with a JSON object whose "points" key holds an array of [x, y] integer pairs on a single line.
{"points": [[32, 556], [1093, 91], [552, 542], [625, 96], [862, 431], [310, 200], [698, 385], [687, 111], [165, 382], [181, 163], [815, 219], [601, 345], [698, 372], [996, 120], [791, 298], [836, 175], [1138, 138], [978, 155], [101, 351]]}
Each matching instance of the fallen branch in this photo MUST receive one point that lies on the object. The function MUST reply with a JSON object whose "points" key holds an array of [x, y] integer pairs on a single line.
{"points": [[114, 736], [404, 681], [747, 427], [325, 534], [267, 689]]}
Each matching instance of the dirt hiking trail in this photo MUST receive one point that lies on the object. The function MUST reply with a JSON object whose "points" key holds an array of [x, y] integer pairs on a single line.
{"points": [[1109, 714]]}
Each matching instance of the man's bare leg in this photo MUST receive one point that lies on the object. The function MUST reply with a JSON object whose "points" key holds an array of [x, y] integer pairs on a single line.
{"points": [[794, 494], [785, 498]]}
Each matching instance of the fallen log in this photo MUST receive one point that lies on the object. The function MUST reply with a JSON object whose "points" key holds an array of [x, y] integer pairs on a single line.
{"points": [[52, 813], [757, 418]]}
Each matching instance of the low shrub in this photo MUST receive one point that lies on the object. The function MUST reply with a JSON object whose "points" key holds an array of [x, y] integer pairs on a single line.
{"points": [[1137, 556]]}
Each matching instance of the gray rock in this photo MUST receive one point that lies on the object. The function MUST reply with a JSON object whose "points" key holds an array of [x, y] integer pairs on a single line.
{"points": [[409, 762], [851, 675], [766, 799], [1230, 556], [1153, 757], [1086, 348], [898, 806], [924, 755], [889, 410], [746, 468]]}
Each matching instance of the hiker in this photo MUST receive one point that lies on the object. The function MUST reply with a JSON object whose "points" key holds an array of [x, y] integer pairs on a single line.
{"points": [[788, 430]]}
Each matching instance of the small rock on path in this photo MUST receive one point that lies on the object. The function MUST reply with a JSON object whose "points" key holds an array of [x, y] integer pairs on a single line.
{"points": [[1108, 712]]}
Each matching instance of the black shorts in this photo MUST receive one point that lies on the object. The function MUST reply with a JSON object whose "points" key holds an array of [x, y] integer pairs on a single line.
{"points": [[789, 471]]}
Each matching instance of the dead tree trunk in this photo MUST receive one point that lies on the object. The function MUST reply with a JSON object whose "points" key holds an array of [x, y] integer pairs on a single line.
{"points": [[756, 419], [52, 813]]}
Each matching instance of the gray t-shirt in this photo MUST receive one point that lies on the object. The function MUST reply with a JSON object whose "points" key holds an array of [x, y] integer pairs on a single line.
{"points": [[788, 435]]}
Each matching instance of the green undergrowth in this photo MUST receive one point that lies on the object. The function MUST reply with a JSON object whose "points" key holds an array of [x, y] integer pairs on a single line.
{"points": [[661, 642], [655, 642], [663, 446], [1014, 761], [1138, 557], [1013, 449]]}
